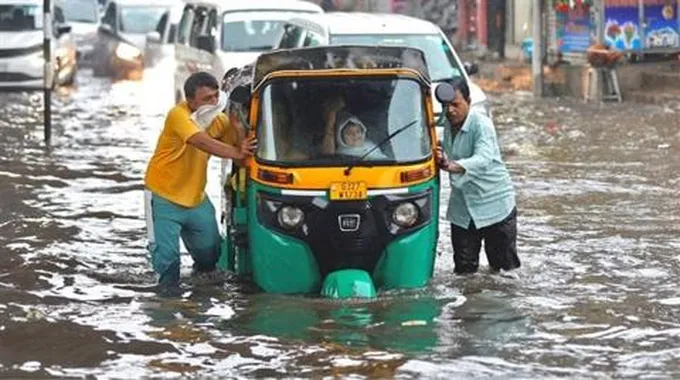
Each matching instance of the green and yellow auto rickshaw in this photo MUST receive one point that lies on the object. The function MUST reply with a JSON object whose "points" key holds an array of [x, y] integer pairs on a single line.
{"points": [[342, 195]]}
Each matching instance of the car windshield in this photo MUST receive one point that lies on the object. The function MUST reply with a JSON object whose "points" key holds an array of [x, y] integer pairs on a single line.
{"points": [[440, 60], [333, 122], [251, 35], [139, 19], [17, 17], [81, 11]]}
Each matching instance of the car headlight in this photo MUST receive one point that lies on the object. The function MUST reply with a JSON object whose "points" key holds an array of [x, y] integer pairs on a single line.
{"points": [[127, 52], [290, 217], [405, 215]]}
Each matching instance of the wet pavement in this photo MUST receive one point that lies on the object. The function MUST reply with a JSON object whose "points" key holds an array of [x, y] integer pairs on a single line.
{"points": [[598, 295]]}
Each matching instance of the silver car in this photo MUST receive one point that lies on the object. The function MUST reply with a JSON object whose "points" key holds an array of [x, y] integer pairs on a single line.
{"points": [[355, 28], [83, 16], [21, 46], [121, 37], [160, 42]]}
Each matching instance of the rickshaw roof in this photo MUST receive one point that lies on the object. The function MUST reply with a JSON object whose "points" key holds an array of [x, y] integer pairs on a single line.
{"points": [[341, 57]]}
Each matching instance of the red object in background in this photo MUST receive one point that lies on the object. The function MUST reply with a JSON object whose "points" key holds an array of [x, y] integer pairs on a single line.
{"points": [[551, 127], [482, 32]]}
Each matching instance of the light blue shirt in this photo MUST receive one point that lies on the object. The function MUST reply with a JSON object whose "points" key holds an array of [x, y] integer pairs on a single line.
{"points": [[484, 193]]}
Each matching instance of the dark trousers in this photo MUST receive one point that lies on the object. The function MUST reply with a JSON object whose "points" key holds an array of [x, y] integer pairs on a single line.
{"points": [[500, 244]]}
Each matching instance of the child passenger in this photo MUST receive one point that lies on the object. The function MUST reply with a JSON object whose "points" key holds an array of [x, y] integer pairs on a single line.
{"points": [[346, 134]]}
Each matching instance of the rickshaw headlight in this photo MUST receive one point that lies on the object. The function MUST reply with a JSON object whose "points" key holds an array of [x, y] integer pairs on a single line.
{"points": [[290, 217], [405, 215]]}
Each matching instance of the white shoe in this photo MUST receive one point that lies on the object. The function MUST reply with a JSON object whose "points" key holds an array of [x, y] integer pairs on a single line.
{"points": [[512, 274]]}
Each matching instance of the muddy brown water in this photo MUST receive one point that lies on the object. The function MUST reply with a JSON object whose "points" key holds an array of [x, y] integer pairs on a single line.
{"points": [[599, 232]]}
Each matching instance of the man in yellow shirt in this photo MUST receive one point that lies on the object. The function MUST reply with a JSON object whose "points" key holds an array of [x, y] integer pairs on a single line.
{"points": [[175, 201]]}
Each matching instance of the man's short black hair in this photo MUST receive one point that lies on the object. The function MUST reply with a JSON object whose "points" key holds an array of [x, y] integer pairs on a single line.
{"points": [[199, 79], [461, 85]]}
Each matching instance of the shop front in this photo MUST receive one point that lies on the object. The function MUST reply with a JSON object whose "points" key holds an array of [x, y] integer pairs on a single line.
{"points": [[631, 26]]}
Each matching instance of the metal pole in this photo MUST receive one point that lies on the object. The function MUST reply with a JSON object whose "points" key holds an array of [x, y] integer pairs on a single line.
{"points": [[537, 54], [47, 58], [598, 86], [599, 28]]}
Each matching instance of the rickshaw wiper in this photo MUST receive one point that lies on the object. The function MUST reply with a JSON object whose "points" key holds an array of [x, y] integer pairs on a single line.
{"points": [[351, 166]]}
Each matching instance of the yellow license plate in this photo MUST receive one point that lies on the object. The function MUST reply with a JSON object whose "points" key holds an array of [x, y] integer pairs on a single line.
{"points": [[348, 191]]}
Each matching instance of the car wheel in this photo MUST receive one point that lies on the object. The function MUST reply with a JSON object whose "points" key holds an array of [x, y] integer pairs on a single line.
{"points": [[100, 67], [98, 71]]}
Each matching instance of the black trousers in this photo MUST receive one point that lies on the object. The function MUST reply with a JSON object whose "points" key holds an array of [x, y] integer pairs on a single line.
{"points": [[500, 244]]}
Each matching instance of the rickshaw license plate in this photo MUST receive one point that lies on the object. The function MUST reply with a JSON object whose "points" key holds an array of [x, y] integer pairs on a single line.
{"points": [[348, 191]]}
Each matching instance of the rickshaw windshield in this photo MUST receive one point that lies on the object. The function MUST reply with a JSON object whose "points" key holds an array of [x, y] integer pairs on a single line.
{"points": [[335, 121]]}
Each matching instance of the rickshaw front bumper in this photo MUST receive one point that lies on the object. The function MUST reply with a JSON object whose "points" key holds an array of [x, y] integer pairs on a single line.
{"points": [[348, 283]]}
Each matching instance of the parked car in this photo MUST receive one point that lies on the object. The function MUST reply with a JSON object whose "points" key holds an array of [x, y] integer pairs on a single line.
{"points": [[121, 37], [83, 16], [21, 46], [354, 28], [160, 42], [216, 35]]}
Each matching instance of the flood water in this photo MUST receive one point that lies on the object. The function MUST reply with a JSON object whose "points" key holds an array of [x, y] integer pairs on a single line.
{"points": [[598, 294]]}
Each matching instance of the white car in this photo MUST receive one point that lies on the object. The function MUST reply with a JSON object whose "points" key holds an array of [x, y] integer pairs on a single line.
{"points": [[83, 16], [215, 36], [21, 46], [355, 28]]}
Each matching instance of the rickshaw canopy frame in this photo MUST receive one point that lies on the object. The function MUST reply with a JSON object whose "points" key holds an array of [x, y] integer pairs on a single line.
{"points": [[350, 58]]}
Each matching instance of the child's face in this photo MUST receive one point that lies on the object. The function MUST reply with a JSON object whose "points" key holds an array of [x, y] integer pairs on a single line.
{"points": [[353, 135]]}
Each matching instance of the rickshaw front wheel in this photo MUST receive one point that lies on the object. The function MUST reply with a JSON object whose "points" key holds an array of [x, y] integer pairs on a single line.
{"points": [[348, 283]]}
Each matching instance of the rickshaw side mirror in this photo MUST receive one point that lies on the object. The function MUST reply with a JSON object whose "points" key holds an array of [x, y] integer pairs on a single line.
{"points": [[240, 94], [471, 68], [444, 93]]}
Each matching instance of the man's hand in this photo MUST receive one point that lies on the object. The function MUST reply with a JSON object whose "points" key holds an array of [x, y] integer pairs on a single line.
{"points": [[442, 160], [453, 167], [445, 164], [248, 146]]}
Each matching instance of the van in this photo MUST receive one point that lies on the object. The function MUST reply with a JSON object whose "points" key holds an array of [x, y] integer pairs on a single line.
{"points": [[355, 28], [22, 64], [215, 36]]}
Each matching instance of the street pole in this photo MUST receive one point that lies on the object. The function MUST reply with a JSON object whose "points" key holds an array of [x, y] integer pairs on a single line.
{"points": [[599, 8], [537, 54], [47, 73], [597, 83]]}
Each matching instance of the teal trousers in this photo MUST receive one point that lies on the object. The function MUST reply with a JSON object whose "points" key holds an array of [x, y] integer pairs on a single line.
{"points": [[168, 222]]}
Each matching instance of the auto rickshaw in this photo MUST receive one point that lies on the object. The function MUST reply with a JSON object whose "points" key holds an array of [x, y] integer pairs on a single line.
{"points": [[342, 195]]}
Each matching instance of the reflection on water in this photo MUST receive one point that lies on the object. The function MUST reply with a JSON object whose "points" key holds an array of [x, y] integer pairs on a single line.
{"points": [[598, 235]]}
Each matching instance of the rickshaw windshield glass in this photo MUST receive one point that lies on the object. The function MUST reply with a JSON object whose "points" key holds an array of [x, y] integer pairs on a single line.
{"points": [[317, 122]]}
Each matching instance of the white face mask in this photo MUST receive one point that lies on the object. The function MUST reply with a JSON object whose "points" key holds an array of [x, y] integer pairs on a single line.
{"points": [[205, 114]]}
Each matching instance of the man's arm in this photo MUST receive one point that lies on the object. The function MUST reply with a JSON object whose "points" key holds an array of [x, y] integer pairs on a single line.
{"points": [[208, 144]]}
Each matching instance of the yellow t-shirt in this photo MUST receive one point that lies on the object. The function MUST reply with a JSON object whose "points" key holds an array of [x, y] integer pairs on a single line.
{"points": [[178, 171]]}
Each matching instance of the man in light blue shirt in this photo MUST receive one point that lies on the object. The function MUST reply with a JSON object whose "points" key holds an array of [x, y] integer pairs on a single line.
{"points": [[482, 201]]}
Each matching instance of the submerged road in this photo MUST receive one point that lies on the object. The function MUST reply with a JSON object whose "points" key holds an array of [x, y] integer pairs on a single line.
{"points": [[599, 232]]}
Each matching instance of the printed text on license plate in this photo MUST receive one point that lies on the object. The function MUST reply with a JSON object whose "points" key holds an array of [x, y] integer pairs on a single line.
{"points": [[348, 191]]}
